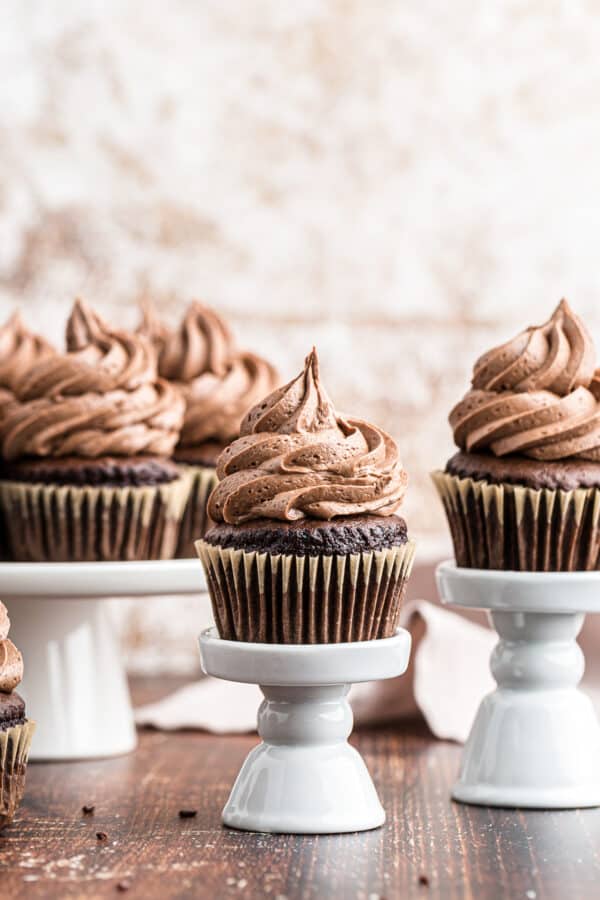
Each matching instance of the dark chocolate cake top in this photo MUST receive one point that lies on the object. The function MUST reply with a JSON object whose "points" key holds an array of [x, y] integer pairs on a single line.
{"points": [[312, 537], [564, 475]]}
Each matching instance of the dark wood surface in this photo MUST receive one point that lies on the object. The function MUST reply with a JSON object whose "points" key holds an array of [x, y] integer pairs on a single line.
{"points": [[430, 847]]}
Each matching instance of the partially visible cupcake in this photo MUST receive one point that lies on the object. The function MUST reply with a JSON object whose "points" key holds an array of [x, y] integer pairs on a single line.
{"points": [[20, 349], [306, 546], [220, 384], [16, 730], [523, 492], [86, 451]]}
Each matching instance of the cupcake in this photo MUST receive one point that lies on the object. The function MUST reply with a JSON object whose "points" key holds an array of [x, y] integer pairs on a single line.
{"points": [[219, 384], [20, 349], [523, 492], [306, 546], [86, 471], [15, 729]]}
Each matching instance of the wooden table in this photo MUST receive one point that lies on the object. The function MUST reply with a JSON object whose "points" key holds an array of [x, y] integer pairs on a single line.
{"points": [[430, 847]]}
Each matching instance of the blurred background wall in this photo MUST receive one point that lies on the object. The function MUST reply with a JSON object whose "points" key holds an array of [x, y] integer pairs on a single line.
{"points": [[401, 183]]}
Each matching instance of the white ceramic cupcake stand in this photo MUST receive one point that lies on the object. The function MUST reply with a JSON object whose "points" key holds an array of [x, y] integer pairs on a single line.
{"points": [[304, 777], [535, 741], [75, 685]]}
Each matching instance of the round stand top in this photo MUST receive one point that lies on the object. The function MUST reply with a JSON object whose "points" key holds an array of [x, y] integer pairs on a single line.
{"points": [[83, 580], [300, 665], [534, 592]]}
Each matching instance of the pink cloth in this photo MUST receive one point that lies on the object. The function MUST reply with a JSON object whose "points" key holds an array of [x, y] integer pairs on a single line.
{"points": [[446, 680]]}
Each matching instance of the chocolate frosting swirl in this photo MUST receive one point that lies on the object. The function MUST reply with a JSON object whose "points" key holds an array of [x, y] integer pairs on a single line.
{"points": [[219, 383], [102, 397], [20, 349], [535, 395], [11, 661], [296, 458]]}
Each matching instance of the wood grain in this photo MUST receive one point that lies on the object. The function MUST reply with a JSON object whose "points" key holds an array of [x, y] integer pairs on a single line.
{"points": [[52, 850]]}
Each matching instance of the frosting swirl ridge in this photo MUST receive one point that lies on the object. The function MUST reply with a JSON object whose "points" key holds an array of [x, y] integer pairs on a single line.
{"points": [[20, 349], [202, 343], [11, 661], [535, 395], [218, 382], [101, 397], [296, 458]]}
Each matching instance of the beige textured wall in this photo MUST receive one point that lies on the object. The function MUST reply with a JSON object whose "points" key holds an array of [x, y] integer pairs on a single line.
{"points": [[400, 183]]}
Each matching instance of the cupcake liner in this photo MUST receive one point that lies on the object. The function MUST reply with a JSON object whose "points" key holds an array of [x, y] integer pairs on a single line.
{"points": [[50, 523], [272, 598], [505, 526], [14, 751], [195, 521]]}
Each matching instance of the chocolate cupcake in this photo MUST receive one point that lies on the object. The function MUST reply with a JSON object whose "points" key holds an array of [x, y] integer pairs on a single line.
{"points": [[86, 471], [219, 384], [307, 547], [16, 730], [20, 349], [523, 493]]}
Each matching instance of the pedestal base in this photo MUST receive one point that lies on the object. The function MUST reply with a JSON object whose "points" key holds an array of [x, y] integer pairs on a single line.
{"points": [[74, 684], [535, 742], [304, 778]]}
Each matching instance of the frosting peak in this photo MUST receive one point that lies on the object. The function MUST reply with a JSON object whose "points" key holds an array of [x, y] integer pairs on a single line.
{"points": [[202, 343], [300, 406], [101, 397], [535, 395], [20, 349], [218, 382], [297, 458], [557, 356], [11, 661]]}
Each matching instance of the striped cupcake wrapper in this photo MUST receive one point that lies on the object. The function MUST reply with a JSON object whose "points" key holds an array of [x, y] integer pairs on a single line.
{"points": [[52, 523], [273, 598], [195, 521], [511, 527], [14, 752]]}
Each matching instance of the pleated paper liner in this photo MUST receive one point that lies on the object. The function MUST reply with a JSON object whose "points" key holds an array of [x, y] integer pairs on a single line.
{"points": [[78, 524], [195, 520], [14, 752], [505, 526], [266, 598]]}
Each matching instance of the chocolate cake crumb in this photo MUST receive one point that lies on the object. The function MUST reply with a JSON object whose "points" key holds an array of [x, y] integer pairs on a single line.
{"points": [[312, 537], [424, 880], [88, 809], [188, 813], [123, 886], [102, 835]]}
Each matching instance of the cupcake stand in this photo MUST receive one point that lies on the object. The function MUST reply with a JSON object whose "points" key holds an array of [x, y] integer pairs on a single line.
{"points": [[535, 741], [304, 777], [75, 685]]}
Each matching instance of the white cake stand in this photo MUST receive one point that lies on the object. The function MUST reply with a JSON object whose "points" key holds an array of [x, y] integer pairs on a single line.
{"points": [[304, 778], [535, 741], [75, 685]]}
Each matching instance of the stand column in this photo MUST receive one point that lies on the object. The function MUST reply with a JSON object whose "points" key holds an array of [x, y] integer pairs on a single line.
{"points": [[304, 778], [536, 739]]}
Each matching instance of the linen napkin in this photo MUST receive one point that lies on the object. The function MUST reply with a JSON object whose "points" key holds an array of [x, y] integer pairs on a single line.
{"points": [[447, 677]]}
